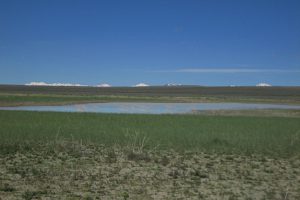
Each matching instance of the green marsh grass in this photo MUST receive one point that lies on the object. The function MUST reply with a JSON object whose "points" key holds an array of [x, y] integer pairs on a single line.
{"points": [[273, 136]]}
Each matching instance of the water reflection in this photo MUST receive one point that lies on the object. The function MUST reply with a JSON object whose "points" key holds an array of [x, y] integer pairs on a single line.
{"points": [[150, 108]]}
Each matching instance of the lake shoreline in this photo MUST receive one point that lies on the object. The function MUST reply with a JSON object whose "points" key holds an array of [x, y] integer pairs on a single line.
{"points": [[168, 108]]}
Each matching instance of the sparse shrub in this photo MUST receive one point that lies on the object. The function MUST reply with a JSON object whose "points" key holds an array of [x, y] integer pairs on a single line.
{"points": [[35, 172], [200, 174], [125, 195], [111, 156], [28, 195], [138, 156], [174, 174], [88, 198], [232, 197], [7, 188], [165, 161]]}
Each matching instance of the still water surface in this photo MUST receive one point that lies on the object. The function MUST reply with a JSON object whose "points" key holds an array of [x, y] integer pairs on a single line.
{"points": [[150, 108]]}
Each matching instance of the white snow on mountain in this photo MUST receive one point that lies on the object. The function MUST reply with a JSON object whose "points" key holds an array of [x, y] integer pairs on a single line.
{"points": [[173, 84], [103, 85], [37, 84], [141, 85], [263, 85], [52, 84]]}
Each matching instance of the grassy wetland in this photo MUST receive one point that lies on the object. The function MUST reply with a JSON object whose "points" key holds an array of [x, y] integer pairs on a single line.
{"points": [[208, 155]]}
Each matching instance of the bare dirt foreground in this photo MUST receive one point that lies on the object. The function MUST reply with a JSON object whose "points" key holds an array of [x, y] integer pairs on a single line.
{"points": [[75, 171]]}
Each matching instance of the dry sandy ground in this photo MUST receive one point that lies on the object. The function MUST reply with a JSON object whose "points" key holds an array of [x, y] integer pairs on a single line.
{"points": [[70, 171]]}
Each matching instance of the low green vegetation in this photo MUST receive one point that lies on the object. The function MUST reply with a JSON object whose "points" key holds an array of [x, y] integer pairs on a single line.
{"points": [[53, 99], [273, 136], [41, 99], [251, 112]]}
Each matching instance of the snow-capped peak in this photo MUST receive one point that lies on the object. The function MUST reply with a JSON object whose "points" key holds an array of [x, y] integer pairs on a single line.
{"points": [[103, 85], [173, 84], [141, 85], [263, 85], [52, 84]]}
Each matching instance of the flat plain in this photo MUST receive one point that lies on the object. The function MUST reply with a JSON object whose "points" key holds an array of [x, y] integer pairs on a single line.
{"points": [[16, 95], [212, 155]]}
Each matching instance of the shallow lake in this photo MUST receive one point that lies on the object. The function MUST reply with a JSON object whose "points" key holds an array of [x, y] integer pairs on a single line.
{"points": [[151, 108]]}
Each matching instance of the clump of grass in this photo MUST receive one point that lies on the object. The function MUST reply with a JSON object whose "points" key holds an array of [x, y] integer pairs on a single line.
{"points": [[136, 143]]}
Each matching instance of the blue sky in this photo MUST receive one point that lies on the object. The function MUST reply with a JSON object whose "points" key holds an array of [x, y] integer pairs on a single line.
{"points": [[202, 42]]}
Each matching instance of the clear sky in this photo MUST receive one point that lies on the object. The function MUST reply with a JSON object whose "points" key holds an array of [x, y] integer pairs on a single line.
{"points": [[202, 42]]}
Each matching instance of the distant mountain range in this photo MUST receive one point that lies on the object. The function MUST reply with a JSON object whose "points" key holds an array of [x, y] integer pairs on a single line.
{"points": [[137, 85], [52, 84]]}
